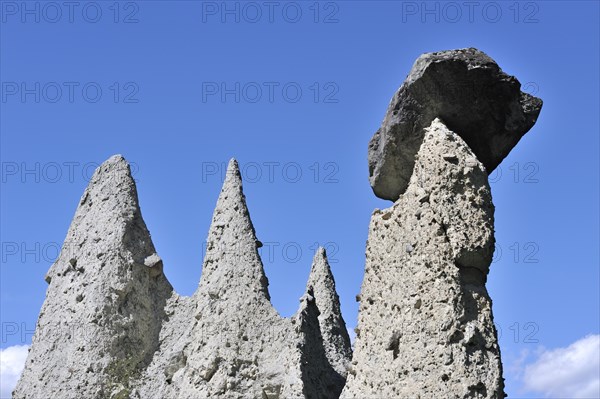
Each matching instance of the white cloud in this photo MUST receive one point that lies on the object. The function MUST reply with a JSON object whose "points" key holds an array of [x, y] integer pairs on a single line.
{"points": [[571, 372], [12, 361]]}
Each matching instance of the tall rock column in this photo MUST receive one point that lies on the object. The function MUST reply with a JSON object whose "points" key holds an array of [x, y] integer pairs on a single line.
{"points": [[425, 327], [100, 323]]}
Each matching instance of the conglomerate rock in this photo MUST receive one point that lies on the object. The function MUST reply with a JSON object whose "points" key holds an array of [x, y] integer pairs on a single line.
{"points": [[474, 98], [227, 340], [335, 335], [425, 327], [143, 340], [112, 327], [100, 323]]}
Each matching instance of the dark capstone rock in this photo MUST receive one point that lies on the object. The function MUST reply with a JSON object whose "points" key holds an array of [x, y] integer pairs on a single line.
{"points": [[468, 91]]}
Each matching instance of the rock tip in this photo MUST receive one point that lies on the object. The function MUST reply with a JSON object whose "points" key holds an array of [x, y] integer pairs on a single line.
{"points": [[233, 163], [321, 252], [320, 268], [116, 158], [233, 169]]}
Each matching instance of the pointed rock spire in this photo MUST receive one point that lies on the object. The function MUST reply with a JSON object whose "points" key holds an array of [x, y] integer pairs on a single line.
{"points": [[232, 259], [140, 339], [319, 356], [238, 335], [104, 306], [336, 341], [321, 380]]}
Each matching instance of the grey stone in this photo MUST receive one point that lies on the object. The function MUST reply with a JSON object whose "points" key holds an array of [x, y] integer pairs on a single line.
{"points": [[112, 327], [336, 340], [233, 341], [425, 326], [468, 91], [154, 264], [99, 326]]}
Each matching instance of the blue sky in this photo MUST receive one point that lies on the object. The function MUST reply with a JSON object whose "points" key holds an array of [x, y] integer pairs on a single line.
{"points": [[294, 91]]}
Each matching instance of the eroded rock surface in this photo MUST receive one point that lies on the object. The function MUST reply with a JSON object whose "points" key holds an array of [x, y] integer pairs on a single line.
{"points": [[335, 335], [425, 327], [474, 98], [100, 323], [143, 340], [227, 340], [111, 326]]}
